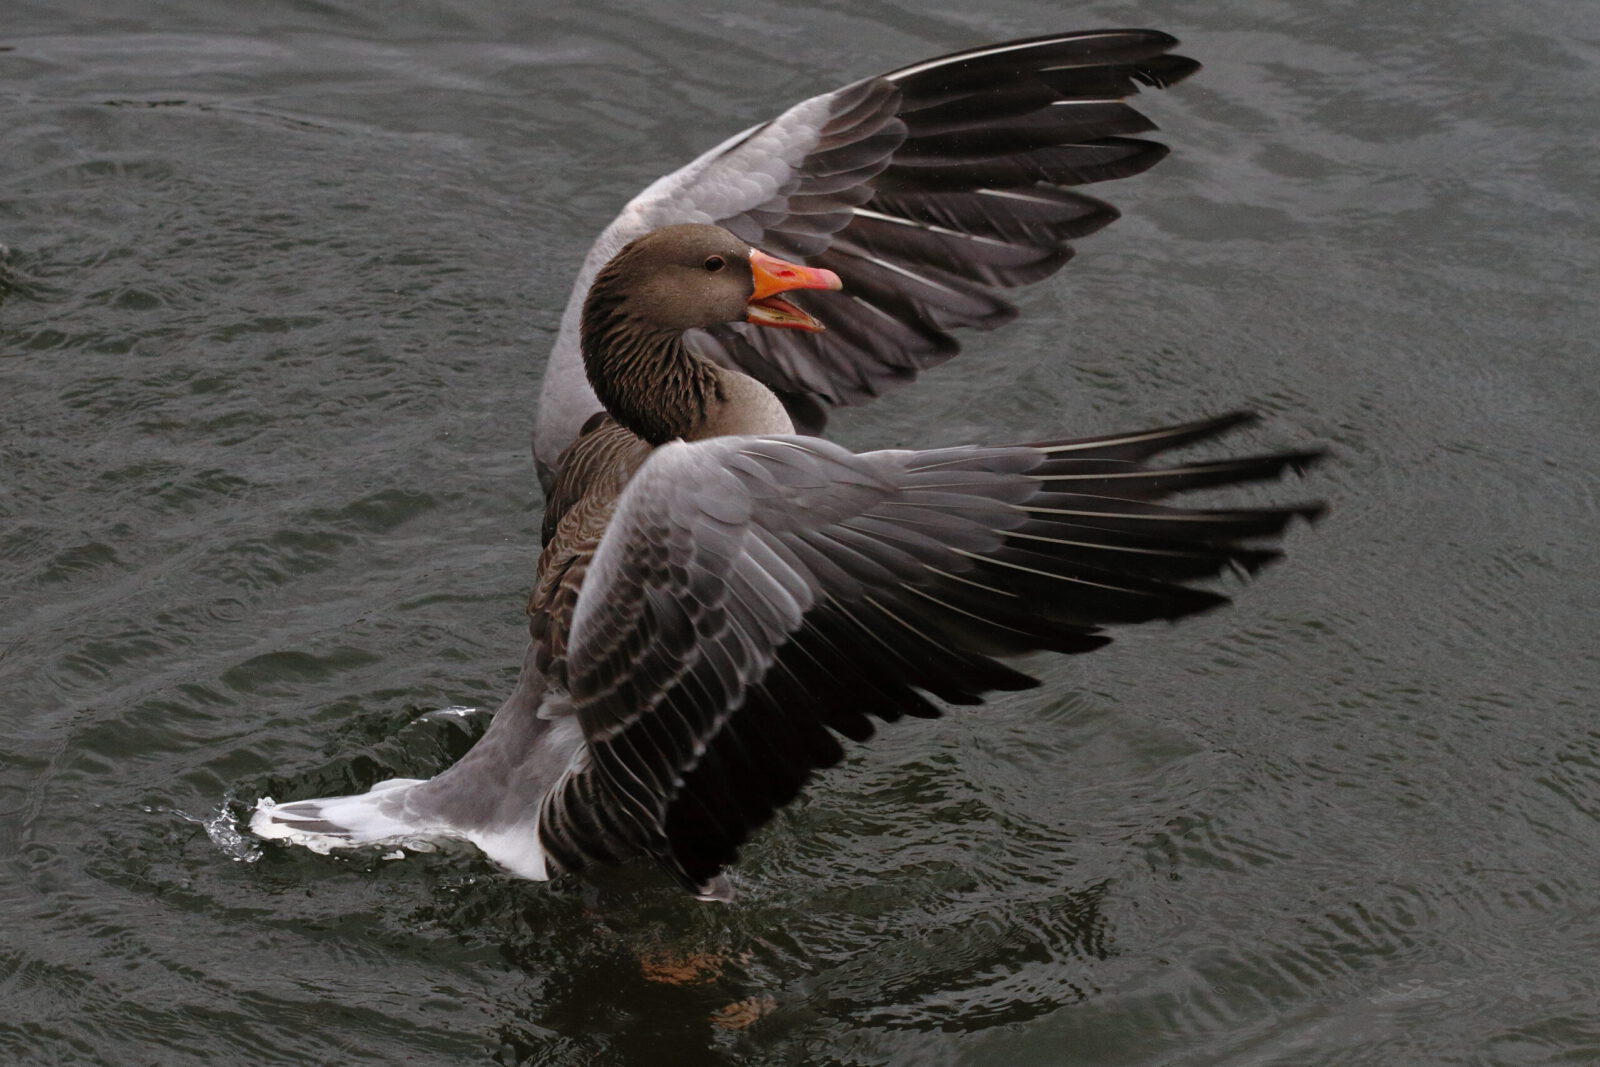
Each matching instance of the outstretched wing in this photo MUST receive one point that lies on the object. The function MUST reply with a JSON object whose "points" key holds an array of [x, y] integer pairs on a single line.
{"points": [[927, 190], [752, 596]]}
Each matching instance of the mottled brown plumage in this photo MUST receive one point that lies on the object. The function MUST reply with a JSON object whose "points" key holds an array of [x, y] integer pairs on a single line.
{"points": [[655, 390], [594, 470]]}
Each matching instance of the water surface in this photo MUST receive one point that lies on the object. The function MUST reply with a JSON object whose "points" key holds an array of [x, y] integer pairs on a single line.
{"points": [[278, 285]]}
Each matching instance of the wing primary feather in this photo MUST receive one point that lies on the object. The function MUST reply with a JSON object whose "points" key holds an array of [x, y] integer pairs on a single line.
{"points": [[981, 143], [747, 635]]}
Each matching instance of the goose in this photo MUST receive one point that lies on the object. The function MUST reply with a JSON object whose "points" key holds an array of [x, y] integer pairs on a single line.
{"points": [[721, 599], [928, 190]]}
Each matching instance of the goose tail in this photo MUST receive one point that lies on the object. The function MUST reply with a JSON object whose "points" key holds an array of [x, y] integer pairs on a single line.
{"points": [[380, 816], [490, 797]]}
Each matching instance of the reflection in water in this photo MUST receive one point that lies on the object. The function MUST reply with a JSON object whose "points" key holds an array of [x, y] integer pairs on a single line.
{"points": [[633, 966]]}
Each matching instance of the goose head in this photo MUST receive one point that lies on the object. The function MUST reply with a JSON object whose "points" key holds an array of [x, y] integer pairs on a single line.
{"points": [[662, 285]]}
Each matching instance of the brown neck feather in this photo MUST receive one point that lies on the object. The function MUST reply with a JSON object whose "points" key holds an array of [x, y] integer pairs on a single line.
{"points": [[645, 376]]}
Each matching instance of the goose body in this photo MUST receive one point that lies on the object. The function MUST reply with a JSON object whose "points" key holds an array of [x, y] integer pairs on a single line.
{"points": [[719, 599]]}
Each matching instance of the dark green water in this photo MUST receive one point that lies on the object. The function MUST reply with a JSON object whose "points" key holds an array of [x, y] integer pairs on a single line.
{"points": [[279, 283]]}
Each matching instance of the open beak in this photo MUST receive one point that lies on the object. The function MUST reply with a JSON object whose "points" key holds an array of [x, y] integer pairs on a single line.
{"points": [[773, 276]]}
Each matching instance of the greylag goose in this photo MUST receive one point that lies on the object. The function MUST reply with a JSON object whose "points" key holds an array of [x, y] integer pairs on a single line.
{"points": [[720, 598], [926, 190]]}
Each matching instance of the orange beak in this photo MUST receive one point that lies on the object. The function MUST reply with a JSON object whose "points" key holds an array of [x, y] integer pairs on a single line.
{"points": [[772, 276]]}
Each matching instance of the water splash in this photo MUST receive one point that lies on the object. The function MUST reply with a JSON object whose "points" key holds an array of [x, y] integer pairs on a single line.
{"points": [[224, 831], [454, 711]]}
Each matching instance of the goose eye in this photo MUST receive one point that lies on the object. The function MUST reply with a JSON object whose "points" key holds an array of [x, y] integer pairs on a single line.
{"points": [[715, 263]]}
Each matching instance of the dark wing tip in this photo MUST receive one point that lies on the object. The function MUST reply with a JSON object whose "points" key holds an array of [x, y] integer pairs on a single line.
{"points": [[1304, 460], [1165, 71], [1145, 444], [1216, 425], [1312, 512]]}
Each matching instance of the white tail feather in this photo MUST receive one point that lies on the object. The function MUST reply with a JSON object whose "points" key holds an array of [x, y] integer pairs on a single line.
{"points": [[376, 817], [385, 817]]}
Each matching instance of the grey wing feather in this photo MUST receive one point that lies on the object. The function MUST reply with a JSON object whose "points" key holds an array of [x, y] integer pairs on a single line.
{"points": [[927, 190], [753, 597]]}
